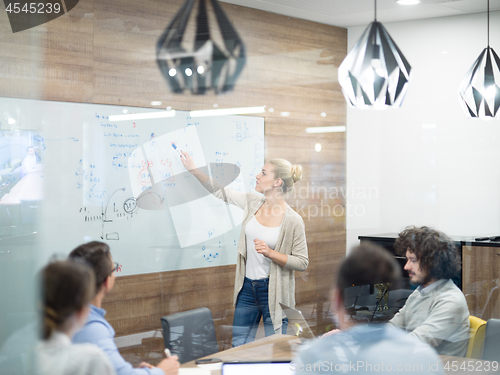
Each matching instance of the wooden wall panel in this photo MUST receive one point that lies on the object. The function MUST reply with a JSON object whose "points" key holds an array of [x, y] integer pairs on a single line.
{"points": [[103, 52], [480, 280]]}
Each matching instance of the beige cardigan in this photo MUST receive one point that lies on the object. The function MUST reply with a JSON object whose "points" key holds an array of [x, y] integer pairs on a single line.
{"points": [[291, 241]]}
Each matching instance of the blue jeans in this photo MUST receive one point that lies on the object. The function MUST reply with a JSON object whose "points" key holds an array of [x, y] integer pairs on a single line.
{"points": [[251, 305]]}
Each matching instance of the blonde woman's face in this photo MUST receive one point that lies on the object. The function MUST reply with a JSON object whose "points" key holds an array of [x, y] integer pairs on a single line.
{"points": [[266, 180]]}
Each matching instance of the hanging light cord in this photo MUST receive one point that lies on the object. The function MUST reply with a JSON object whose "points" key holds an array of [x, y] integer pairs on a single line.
{"points": [[376, 9], [488, 23]]}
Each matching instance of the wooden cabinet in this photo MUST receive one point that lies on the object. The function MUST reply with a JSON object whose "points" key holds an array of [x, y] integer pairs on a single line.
{"points": [[480, 275]]}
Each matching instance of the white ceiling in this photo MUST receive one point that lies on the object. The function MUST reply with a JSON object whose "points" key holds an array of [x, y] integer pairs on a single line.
{"points": [[347, 13]]}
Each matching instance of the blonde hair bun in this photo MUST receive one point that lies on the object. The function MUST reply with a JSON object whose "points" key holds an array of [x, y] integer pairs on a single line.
{"points": [[287, 172], [296, 172]]}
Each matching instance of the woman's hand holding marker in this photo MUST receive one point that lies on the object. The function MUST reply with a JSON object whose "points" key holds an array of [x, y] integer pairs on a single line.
{"points": [[187, 161], [174, 146]]}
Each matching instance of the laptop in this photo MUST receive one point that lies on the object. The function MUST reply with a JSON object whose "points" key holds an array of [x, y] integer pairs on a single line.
{"points": [[297, 321], [252, 368]]}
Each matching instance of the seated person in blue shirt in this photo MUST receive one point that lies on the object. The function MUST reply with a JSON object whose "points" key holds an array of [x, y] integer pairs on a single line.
{"points": [[97, 330], [366, 348]]}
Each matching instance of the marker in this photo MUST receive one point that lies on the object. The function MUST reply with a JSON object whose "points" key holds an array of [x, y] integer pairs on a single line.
{"points": [[176, 149], [167, 353]]}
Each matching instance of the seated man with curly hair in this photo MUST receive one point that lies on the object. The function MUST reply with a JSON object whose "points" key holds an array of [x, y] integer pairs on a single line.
{"points": [[436, 312]]}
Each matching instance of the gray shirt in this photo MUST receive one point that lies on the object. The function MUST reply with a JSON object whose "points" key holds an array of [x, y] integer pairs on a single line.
{"points": [[437, 315]]}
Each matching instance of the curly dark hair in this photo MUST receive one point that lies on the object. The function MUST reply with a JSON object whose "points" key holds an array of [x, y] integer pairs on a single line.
{"points": [[435, 251]]}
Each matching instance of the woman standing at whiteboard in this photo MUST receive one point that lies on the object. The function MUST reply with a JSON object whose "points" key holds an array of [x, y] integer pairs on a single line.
{"points": [[272, 245]]}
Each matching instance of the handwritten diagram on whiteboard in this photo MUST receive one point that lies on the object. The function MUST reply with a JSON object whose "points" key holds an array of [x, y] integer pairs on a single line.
{"points": [[154, 168], [156, 160], [122, 182]]}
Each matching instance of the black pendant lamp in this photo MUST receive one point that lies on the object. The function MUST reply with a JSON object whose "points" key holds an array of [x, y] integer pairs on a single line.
{"points": [[480, 89], [374, 74], [212, 60]]}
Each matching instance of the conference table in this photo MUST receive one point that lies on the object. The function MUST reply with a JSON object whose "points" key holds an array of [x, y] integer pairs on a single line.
{"points": [[283, 347]]}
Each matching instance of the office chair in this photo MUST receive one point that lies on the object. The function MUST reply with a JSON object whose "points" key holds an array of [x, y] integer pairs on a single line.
{"points": [[190, 334], [492, 341], [476, 337]]}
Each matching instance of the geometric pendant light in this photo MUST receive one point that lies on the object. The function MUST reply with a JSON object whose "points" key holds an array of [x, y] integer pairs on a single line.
{"points": [[210, 57], [480, 89], [374, 74]]}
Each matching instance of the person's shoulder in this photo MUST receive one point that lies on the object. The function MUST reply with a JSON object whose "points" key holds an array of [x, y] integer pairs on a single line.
{"points": [[449, 290], [450, 286], [93, 331], [415, 294], [330, 341], [342, 342], [90, 359], [398, 343], [293, 218], [254, 197], [88, 349], [393, 333], [375, 341], [318, 346], [254, 200], [450, 298]]}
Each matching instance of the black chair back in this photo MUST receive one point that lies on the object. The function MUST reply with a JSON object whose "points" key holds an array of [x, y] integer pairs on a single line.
{"points": [[190, 334]]}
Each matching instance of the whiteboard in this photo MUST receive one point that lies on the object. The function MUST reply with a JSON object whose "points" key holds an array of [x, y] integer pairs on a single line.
{"points": [[121, 182]]}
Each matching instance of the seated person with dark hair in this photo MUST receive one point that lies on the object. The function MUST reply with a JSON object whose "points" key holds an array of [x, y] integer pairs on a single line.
{"points": [[97, 330], [67, 290], [366, 348], [436, 312]]}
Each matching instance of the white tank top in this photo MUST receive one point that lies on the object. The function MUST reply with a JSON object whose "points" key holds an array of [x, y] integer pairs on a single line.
{"points": [[258, 265]]}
